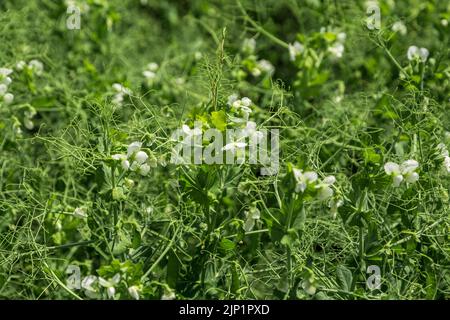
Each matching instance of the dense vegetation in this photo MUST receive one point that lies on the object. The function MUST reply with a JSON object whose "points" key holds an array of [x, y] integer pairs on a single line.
{"points": [[92, 207]]}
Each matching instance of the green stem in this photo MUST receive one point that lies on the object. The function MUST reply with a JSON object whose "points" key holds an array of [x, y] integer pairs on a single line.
{"points": [[261, 29]]}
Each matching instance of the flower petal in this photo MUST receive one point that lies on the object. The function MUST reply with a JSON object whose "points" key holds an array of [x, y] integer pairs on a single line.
{"points": [[324, 193], [329, 180], [141, 157], [391, 168], [397, 180], [310, 176], [409, 166], [133, 147], [412, 178]]}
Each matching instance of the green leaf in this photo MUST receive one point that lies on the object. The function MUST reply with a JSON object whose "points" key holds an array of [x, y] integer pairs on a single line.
{"points": [[287, 240], [227, 244], [219, 119], [344, 278], [300, 220], [234, 279], [370, 155], [136, 242]]}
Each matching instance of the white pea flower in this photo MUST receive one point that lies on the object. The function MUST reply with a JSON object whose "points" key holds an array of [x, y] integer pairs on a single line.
{"points": [[246, 102], [242, 103], [21, 65], [28, 118], [266, 66], [443, 150], [232, 98], [123, 160], [133, 147], [121, 89], [295, 49], [393, 169], [141, 157], [399, 27], [237, 104], [256, 72], [117, 87], [149, 74], [36, 66], [28, 123], [80, 213], [109, 284], [168, 295], [87, 284], [144, 169], [117, 99], [444, 22], [250, 131], [252, 216], [417, 53], [134, 292], [150, 71], [303, 179], [408, 169], [234, 146], [121, 93], [134, 166], [152, 66], [243, 106], [5, 96], [111, 291], [249, 45], [447, 164], [405, 171], [125, 164], [337, 50], [341, 37], [3, 89], [135, 159], [324, 188], [8, 98], [4, 76], [309, 286]]}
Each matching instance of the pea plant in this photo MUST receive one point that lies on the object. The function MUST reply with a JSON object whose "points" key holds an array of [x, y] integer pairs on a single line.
{"points": [[224, 150]]}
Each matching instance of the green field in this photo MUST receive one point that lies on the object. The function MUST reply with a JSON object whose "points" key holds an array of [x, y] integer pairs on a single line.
{"points": [[348, 100]]}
